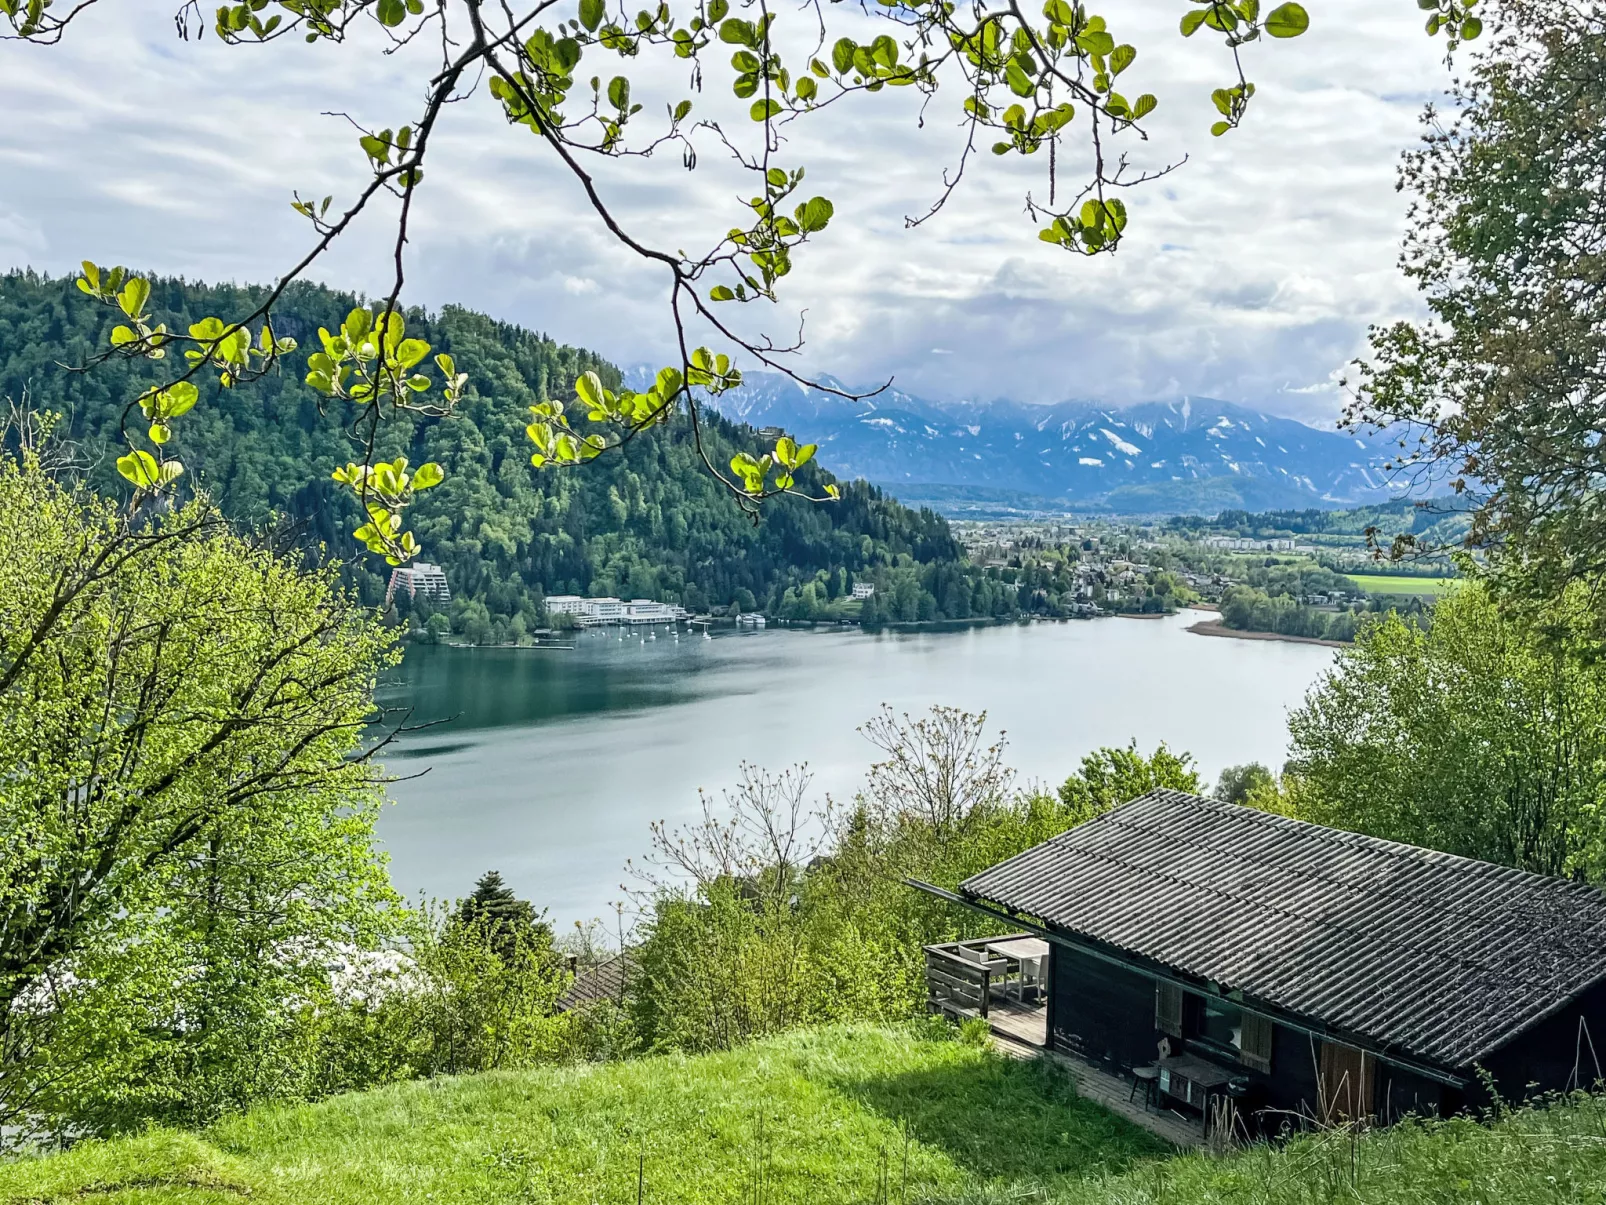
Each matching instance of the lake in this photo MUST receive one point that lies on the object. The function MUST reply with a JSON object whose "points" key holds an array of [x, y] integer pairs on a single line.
{"points": [[553, 763]]}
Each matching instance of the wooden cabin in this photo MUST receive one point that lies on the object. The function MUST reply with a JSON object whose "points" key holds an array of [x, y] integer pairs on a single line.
{"points": [[1302, 972]]}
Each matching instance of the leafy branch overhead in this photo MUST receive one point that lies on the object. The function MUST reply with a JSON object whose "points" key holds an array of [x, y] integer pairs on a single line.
{"points": [[1025, 80]]}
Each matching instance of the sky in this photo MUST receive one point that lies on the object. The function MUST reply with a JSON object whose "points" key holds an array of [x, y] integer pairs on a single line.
{"points": [[1249, 274]]}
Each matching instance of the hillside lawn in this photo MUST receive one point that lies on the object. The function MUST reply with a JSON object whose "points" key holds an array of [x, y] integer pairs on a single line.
{"points": [[1387, 583], [823, 1116], [810, 1116]]}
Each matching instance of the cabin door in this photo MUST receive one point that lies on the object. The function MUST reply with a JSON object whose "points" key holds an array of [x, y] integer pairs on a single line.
{"points": [[1348, 1083]]}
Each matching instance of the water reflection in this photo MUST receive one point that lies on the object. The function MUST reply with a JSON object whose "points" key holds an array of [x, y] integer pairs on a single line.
{"points": [[554, 762]]}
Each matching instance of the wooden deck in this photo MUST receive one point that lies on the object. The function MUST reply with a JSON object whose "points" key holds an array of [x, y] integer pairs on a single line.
{"points": [[966, 979], [1022, 1033]]}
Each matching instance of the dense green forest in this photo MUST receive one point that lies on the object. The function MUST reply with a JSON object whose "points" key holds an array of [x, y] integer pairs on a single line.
{"points": [[644, 523]]}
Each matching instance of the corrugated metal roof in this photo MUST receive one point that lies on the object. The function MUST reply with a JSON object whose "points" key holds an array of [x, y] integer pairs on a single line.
{"points": [[605, 981], [1424, 953]]}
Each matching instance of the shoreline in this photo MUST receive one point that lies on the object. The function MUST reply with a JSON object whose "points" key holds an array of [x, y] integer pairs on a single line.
{"points": [[1214, 627]]}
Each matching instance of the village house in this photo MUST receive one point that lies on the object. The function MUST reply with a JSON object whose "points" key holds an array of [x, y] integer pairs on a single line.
{"points": [[1230, 963]]}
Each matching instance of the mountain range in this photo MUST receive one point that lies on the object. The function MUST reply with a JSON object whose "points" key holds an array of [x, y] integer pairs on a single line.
{"points": [[1190, 454]]}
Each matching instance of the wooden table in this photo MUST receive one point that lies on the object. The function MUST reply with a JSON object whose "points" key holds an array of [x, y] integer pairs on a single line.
{"points": [[1193, 1081], [1023, 950]]}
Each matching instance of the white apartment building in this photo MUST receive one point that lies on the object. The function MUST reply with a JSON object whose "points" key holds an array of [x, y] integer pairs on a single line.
{"points": [[862, 590], [593, 611], [419, 578]]}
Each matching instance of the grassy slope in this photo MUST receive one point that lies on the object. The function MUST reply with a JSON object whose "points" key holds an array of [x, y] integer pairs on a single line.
{"points": [[827, 1105], [982, 1131]]}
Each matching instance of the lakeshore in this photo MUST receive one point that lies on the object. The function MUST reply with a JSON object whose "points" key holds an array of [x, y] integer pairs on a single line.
{"points": [[551, 767], [1214, 627]]}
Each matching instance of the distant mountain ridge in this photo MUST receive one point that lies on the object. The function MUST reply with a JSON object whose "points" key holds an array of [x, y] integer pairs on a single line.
{"points": [[1190, 454]]}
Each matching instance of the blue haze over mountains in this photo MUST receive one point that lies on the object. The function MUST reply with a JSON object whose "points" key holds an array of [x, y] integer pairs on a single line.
{"points": [[1192, 454]]}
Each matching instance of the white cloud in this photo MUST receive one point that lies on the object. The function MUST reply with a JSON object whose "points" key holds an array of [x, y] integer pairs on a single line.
{"points": [[1259, 263]]}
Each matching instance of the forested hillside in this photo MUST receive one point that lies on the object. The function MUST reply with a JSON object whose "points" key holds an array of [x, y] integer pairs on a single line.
{"points": [[648, 522]]}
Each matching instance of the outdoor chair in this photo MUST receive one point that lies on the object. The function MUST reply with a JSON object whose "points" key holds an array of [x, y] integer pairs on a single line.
{"points": [[1149, 1078]]}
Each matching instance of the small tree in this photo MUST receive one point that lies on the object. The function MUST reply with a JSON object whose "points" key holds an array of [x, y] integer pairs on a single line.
{"points": [[936, 768], [1110, 777], [511, 925], [1238, 783]]}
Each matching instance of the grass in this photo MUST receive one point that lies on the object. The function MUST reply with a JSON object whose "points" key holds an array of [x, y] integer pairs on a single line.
{"points": [[1385, 583], [825, 1116], [815, 1118]]}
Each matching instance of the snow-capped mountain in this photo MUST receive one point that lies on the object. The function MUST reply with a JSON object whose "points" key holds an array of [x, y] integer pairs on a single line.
{"points": [[1191, 453]]}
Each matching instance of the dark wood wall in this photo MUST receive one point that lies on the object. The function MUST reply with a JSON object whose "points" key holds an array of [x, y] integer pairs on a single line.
{"points": [[1562, 1052], [1105, 1013], [1101, 1012]]}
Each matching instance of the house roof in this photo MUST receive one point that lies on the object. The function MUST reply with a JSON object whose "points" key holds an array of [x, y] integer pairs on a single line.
{"points": [[605, 981], [1422, 953]]}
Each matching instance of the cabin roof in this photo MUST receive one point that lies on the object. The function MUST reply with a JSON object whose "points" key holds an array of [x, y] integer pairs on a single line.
{"points": [[606, 981], [1424, 953]]}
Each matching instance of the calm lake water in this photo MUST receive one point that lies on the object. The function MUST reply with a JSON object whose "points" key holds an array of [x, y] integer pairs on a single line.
{"points": [[554, 762]]}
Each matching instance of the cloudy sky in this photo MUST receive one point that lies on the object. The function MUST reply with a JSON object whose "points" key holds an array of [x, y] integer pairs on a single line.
{"points": [[1249, 274]]}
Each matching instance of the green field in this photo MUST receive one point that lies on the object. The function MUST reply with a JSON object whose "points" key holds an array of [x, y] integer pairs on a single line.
{"points": [[1381, 583], [838, 1116], [814, 1116]]}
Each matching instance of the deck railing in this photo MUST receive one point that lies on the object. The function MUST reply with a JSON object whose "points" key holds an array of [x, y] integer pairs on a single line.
{"points": [[960, 975]]}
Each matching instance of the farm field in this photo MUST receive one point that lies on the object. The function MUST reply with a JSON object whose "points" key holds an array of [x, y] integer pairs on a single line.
{"points": [[1382, 583]]}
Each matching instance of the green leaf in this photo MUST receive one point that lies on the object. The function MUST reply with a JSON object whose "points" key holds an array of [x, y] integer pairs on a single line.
{"points": [[619, 92], [668, 383], [1121, 58], [591, 13], [1220, 128], [133, 297], [428, 476], [391, 13], [842, 55], [1192, 20], [1471, 28], [1287, 21], [682, 109], [720, 293], [411, 351], [763, 110], [139, 467], [1143, 106], [588, 388], [814, 214], [1019, 82], [181, 398]]}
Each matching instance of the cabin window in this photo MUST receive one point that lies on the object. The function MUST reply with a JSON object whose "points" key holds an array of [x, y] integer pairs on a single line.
{"points": [[1221, 1024], [1227, 1029], [1168, 1009]]}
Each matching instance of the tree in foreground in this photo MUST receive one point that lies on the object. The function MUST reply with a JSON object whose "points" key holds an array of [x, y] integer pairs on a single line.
{"points": [[1479, 735], [187, 807], [1501, 391]]}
